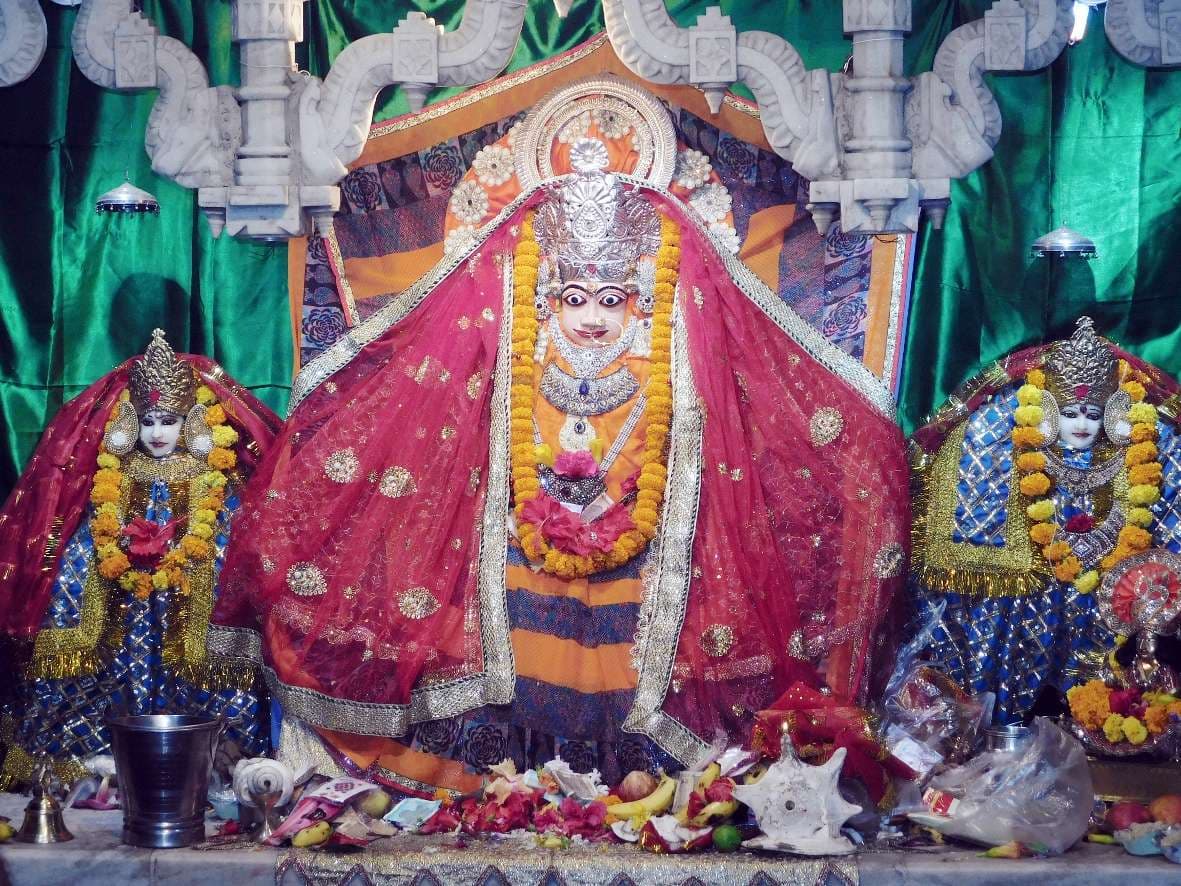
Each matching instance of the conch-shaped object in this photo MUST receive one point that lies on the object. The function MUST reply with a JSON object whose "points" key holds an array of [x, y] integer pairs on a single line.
{"points": [[264, 784], [799, 808]]}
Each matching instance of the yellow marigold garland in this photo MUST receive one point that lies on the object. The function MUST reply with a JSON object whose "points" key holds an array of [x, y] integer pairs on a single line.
{"points": [[107, 522], [1144, 480], [658, 412]]}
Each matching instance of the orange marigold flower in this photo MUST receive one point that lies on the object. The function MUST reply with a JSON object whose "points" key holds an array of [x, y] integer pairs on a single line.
{"points": [[221, 459], [1068, 569], [195, 547], [1140, 453], [1141, 431], [1029, 438], [1035, 484], [1056, 551], [103, 493], [1156, 718], [104, 524], [1031, 461], [112, 567], [1147, 473], [106, 475], [1135, 538], [215, 415], [1036, 377], [1135, 390], [174, 559], [1043, 533]]}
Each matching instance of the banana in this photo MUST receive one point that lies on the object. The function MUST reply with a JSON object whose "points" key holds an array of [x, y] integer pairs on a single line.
{"points": [[7, 832], [717, 809], [712, 771], [313, 835], [653, 804]]}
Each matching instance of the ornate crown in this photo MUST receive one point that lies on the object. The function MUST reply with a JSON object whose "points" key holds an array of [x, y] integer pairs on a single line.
{"points": [[595, 230], [160, 381], [1082, 368]]}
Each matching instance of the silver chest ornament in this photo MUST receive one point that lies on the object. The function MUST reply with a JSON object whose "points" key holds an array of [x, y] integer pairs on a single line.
{"points": [[798, 807]]}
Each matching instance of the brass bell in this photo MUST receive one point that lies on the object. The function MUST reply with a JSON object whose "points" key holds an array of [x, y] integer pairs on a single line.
{"points": [[43, 816]]}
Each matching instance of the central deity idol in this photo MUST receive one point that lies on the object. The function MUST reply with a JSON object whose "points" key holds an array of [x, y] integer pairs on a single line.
{"points": [[587, 490]]}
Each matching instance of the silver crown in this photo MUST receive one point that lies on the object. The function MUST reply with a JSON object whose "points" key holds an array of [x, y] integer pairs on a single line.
{"points": [[595, 229], [1081, 369]]}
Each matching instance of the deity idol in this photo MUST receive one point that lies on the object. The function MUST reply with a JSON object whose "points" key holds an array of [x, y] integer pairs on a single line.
{"points": [[1034, 480], [587, 490], [139, 476]]}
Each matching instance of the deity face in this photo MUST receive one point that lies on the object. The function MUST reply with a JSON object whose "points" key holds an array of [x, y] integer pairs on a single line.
{"points": [[1080, 425], [159, 432], [592, 314]]}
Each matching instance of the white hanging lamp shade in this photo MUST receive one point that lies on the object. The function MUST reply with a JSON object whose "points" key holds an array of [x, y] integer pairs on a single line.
{"points": [[127, 198], [1063, 242]]}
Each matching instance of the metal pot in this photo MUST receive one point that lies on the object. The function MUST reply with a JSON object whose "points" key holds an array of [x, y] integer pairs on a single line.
{"points": [[163, 763], [1010, 738]]}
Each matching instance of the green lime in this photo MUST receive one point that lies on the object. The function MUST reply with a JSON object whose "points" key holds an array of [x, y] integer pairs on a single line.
{"points": [[727, 838]]}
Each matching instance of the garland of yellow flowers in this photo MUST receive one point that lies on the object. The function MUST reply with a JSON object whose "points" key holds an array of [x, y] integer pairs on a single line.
{"points": [[1144, 480], [106, 526], [658, 412]]}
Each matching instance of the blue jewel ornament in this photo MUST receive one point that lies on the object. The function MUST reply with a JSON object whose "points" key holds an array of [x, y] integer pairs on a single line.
{"points": [[580, 427], [584, 388]]}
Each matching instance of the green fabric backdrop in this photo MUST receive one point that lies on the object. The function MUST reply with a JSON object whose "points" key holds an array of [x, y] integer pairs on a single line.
{"points": [[79, 292]]}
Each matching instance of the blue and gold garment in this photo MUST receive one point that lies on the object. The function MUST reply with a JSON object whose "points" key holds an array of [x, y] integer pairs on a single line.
{"points": [[103, 649], [1009, 626]]}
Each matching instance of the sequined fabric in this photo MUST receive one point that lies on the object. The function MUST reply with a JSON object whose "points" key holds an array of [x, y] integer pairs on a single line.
{"points": [[65, 717]]}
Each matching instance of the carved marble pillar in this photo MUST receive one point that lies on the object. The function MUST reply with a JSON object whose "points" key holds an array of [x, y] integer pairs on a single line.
{"points": [[877, 192], [1145, 32]]}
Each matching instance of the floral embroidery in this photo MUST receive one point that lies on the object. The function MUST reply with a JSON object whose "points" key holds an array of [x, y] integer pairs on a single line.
{"points": [[826, 425], [306, 580], [341, 466], [888, 561], [396, 482], [712, 202], [469, 202], [612, 123], [726, 236], [417, 603], [693, 169], [458, 239], [717, 640], [493, 165], [575, 129]]}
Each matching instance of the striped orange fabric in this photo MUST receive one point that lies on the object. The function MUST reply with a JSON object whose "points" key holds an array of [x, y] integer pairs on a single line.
{"points": [[560, 662]]}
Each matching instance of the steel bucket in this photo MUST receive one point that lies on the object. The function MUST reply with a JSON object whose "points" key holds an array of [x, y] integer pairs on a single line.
{"points": [[163, 763]]}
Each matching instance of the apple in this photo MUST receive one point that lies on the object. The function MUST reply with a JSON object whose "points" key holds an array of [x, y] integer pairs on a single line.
{"points": [[1123, 815], [1166, 809], [376, 803]]}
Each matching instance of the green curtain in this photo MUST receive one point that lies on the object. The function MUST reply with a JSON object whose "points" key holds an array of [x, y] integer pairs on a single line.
{"points": [[1093, 141]]}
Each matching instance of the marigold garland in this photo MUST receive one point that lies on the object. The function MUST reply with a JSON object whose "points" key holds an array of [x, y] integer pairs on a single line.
{"points": [[1144, 480], [658, 412], [107, 523]]}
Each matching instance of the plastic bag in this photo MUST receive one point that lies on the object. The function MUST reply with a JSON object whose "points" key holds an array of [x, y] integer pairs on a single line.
{"points": [[928, 717], [1040, 795]]}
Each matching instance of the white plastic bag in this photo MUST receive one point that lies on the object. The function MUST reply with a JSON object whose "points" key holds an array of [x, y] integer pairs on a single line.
{"points": [[1040, 795]]}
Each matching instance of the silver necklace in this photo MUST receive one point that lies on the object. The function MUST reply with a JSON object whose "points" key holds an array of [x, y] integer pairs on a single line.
{"points": [[589, 362]]}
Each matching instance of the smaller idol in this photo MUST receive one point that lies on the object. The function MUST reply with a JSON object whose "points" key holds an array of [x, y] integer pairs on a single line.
{"points": [[1035, 480], [110, 554]]}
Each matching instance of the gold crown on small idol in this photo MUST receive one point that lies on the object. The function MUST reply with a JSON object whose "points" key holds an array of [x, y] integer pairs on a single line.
{"points": [[159, 381], [1082, 368]]}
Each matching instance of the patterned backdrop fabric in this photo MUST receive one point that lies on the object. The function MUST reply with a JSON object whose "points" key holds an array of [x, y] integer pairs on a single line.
{"points": [[393, 216]]}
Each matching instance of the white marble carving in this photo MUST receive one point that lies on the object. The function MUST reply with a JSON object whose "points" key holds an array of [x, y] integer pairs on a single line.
{"points": [[1145, 32], [267, 157], [22, 40], [878, 147]]}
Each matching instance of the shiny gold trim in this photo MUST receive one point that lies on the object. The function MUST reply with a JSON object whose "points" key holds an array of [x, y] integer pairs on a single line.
{"points": [[64, 652], [234, 643], [17, 771], [943, 565], [178, 468], [901, 254], [666, 579]]}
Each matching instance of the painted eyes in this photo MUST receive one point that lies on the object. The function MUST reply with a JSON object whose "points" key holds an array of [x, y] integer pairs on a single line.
{"points": [[167, 421], [611, 300], [575, 299], [607, 298], [1091, 413]]}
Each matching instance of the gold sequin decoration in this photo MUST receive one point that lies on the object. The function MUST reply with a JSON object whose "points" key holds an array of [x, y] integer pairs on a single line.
{"points": [[473, 385], [826, 425], [417, 603], [330, 387], [888, 561], [445, 376], [350, 593], [473, 481], [306, 580], [268, 565], [717, 640], [456, 544], [795, 646], [488, 315], [272, 494], [341, 466], [446, 432], [463, 323], [396, 482]]}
